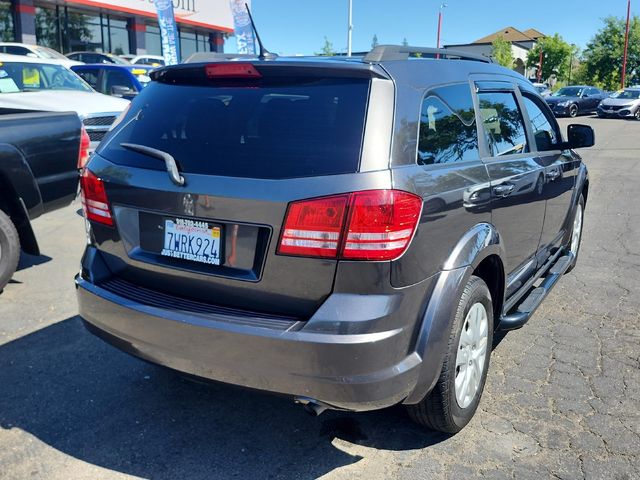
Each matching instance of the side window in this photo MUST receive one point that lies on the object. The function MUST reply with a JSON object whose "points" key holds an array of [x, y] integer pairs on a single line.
{"points": [[117, 78], [90, 76], [544, 131], [448, 126], [502, 123], [15, 50]]}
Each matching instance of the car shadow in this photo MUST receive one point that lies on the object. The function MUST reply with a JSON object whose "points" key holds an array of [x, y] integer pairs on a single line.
{"points": [[84, 398], [28, 261]]}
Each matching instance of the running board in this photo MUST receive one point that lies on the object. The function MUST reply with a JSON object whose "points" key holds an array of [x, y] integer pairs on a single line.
{"points": [[523, 311]]}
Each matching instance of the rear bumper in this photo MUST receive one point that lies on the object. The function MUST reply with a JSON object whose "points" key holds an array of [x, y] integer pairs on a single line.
{"points": [[331, 360]]}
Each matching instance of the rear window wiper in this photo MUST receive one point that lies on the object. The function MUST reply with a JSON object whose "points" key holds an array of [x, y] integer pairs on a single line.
{"points": [[169, 161]]}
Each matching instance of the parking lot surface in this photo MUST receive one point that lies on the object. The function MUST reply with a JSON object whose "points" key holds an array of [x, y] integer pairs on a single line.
{"points": [[562, 399]]}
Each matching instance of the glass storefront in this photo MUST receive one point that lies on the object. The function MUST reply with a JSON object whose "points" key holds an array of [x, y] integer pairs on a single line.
{"points": [[7, 31], [68, 29]]}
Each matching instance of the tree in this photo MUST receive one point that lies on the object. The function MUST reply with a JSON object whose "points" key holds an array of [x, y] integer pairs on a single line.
{"points": [[502, 52], [327, 50], [374, 42], [6, 23], [603, 55], [556, 57], [405, 43]]}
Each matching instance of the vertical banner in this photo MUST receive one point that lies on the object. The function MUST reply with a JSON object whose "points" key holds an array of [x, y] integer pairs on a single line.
{"points": [[245, 38], [168, 31]]}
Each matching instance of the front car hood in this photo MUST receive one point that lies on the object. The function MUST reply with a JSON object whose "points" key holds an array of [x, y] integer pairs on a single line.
{"points": [[84, 103], [556, 100]]}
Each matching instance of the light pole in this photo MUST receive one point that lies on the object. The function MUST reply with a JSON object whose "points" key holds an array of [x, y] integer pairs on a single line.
{"points": [[442, 7], [540, 65], [350, 28], [626, 46], [573, 47]]}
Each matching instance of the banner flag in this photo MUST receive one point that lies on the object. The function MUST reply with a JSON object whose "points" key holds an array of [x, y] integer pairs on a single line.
{"points": [[168, 31], [245, 38]]}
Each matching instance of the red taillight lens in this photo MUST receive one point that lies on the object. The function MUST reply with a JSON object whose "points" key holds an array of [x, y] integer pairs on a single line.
{"points": [[368, 225], [232, 70], [94, 198], [85, 143], [313, 227], [380, 224]]}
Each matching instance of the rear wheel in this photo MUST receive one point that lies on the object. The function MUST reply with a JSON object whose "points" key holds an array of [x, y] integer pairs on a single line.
{"points": [[576, 232], [455, 398], [573, 110], [637, 114], [9, 249]]}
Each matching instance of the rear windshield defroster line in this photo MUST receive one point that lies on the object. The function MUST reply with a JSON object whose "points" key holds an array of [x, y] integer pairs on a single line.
{"points": [[271, 130]]}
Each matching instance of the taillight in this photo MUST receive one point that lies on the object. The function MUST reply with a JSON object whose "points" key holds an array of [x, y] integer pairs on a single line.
{"points": [[232, 70], [85, 143], [94, 198], [367, 225]]}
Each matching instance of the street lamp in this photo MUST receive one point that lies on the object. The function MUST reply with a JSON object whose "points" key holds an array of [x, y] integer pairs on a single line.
{"points": [[442, 7], [350, 28]]}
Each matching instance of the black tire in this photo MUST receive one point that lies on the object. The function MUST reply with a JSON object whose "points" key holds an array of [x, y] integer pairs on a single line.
{"points": [[637, 114], [573, 110], [9, 249], [440, 410], [575, 260]]}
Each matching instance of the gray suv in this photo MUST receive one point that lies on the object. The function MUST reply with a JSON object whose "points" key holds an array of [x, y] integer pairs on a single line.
{"points": [[346, 231]]}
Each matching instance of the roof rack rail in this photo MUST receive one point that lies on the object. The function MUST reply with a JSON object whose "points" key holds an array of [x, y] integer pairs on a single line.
{"points": [[200, 57], [383, 53]]}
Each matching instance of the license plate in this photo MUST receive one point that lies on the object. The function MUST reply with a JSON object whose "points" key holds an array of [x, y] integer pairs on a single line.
{"points": [[192, 240]]}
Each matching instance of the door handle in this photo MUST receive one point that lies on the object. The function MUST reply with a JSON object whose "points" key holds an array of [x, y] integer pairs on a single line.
{"points": [[503, 190], [553, 174]]}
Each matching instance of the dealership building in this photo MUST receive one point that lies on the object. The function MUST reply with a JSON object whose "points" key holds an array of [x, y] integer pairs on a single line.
{"points": [[116, 26]]}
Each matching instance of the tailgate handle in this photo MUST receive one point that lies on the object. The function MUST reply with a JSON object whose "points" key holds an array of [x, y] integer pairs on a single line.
{"points": [[170, 162]]}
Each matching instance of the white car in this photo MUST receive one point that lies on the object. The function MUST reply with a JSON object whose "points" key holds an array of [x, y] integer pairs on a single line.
{"points": [[36, 51], [33, 84], [153, 60]]}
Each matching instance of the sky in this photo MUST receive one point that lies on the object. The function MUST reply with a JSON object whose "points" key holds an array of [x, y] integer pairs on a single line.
{"points": [[299, 26]]}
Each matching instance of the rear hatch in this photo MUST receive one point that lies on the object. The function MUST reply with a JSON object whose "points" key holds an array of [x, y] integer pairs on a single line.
{"points": [[247, 141]]}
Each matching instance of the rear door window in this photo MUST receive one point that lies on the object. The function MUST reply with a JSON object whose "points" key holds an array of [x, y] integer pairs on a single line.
{"points": [[502, 123], [275, 130], [448, 126], [91, 76]]}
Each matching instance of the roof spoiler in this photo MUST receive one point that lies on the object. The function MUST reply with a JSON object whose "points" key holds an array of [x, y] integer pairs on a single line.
{"points": [[384, 53]]}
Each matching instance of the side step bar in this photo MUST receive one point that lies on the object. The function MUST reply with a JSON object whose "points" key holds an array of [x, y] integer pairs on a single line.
{"points": [[523, 311]]}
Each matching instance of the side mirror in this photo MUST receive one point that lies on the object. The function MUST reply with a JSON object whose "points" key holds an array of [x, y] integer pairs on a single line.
{"points": [[580, 136], [121, 91]]}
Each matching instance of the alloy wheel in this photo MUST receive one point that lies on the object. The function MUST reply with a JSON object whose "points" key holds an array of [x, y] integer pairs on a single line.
{"points": [[573, 111], [471, 356], [577, 230]]}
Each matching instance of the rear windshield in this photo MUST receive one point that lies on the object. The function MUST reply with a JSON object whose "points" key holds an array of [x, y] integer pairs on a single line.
{"points": [[307, 128]]}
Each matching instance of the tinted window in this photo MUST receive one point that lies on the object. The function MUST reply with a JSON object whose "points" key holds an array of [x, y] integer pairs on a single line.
{"points": [[90, 76], [502, 123], [117, 78], [279, 130], [448, 126], [15, 50], [544, 132]]}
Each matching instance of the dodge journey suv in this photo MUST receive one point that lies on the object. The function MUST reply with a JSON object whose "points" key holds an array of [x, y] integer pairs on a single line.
{"points": [[346, 231]]}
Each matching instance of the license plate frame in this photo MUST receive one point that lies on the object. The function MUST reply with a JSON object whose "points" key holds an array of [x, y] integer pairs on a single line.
{"points": [[188, 240]]}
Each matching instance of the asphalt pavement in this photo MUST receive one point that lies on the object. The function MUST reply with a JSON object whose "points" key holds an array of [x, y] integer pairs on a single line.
{"points": [[562, 399]]}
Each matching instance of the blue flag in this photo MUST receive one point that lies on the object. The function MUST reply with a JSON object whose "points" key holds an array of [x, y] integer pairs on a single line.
{"points": [[245, 38], [168, 31]]}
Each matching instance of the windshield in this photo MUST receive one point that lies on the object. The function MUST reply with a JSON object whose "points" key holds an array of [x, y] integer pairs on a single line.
{"points": [[118, 60], [628, 95], [568, 92], [32, 77], [44, 52]]}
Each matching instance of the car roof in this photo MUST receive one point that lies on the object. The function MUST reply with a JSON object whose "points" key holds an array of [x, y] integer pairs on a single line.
{"points": [[7, 57], [112, 66]]}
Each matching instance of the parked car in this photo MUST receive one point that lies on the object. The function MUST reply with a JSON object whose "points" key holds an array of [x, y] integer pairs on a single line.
{"points": [[96, 57], [543, 89], [268, 224], [36, 51], [124, 81], [151, 60], [37, 85], [38, 160], [576, 100], [625, 104]]}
